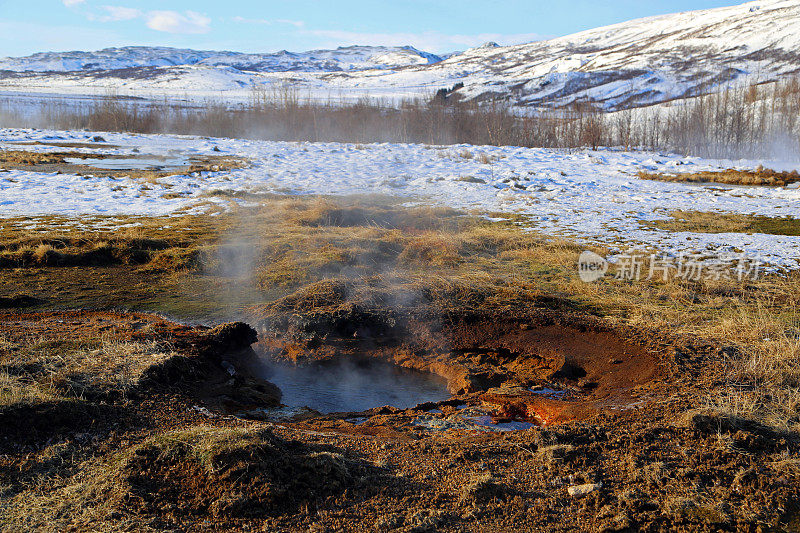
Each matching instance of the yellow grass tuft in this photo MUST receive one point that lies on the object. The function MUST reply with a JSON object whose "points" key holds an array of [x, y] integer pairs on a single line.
{"points": [[760, 176]]}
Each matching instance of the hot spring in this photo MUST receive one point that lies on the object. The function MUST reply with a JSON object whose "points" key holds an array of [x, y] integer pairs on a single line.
{"points": [[349, 386]]}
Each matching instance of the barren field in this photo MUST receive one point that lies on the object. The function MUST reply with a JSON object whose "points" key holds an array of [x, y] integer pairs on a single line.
{"points": [[273, 361]]}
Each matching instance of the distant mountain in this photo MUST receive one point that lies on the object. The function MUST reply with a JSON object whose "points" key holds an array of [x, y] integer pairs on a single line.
{"points": [[632, 64], [350, 58]]}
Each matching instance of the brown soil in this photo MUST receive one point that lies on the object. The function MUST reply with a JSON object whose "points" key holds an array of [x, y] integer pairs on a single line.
{"points": [[169, 455]]}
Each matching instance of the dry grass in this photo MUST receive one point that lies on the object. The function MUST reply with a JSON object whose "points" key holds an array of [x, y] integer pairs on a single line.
{"points": [[209, 472], [480, 488], [700, 507], [428, 249], [16, 390], [6, 345], [765, 375], [25, 158], [485, 158], [760, 176], [710, 222], [60, 482], [115, 365], [40, 370], [89, 500], [59, 241]]}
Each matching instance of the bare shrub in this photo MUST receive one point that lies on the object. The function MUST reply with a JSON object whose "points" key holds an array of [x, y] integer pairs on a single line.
{"points": [[742, 121], [754, 121]]}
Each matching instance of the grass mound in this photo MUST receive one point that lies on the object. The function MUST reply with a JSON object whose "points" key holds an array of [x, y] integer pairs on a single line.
{"points": [[225, 472], [97, 370], [160, 244], [321, 294], [203, 472], [23, 157]]}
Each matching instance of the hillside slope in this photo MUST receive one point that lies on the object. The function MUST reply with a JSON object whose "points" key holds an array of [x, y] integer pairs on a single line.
{"points": [[642, 61]]}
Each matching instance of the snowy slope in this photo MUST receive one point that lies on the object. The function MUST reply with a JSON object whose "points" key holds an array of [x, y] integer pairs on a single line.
{"points": [[642, 61], [631, 64]]}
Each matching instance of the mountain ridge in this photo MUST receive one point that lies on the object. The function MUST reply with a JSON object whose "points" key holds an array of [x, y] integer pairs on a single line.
{"points": [[115, 58]]}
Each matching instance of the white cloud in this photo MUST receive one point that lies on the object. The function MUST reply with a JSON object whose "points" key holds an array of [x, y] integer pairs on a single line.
{"points": [[116, 14], [428, 41], [190, 22]]}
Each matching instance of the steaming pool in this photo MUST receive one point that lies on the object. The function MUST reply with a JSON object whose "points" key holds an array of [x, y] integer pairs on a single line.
{"points": [[348, 386]]}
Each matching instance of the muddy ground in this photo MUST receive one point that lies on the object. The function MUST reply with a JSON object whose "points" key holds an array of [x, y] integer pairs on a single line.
{"points": [[180, 447]]}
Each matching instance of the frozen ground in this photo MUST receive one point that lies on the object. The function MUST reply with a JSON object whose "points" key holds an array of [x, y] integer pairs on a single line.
{"points": [[591, 196]]}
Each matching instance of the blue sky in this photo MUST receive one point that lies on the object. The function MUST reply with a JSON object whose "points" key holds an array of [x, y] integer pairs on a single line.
{"points": [[28, 26]]}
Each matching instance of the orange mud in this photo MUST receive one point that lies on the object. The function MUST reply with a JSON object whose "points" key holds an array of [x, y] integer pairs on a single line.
{"points": [[496, 361]]}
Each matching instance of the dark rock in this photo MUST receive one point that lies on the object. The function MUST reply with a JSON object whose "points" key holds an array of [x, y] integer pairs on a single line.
{"points": [[233, 336], [245, 392]]}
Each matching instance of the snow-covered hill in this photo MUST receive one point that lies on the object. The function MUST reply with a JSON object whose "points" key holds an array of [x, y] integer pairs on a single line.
{"points": [[345, 58], [642, 61], [631, 64]]}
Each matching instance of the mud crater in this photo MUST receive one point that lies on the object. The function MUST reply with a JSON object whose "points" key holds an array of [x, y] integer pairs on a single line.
{"points": [[543, 368]]}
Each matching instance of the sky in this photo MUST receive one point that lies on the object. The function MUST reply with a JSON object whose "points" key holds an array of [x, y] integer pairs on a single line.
{"points": [[29, 26]]}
